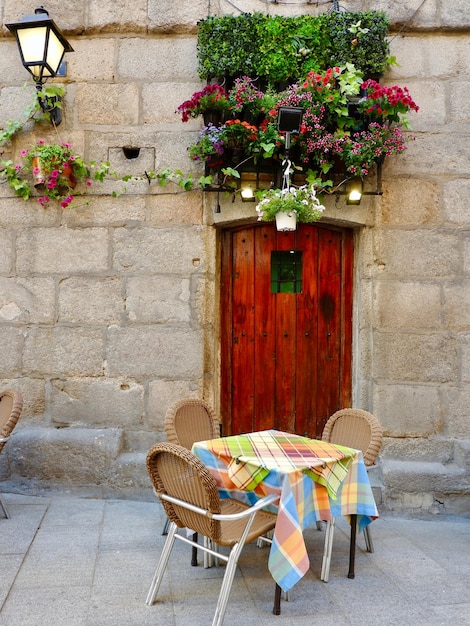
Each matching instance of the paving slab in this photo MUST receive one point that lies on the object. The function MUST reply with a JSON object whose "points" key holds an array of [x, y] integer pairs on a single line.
{"points": [[89, 562]]}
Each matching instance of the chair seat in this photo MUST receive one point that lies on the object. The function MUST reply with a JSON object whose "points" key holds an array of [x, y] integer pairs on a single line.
{"points": [[232, 530]]}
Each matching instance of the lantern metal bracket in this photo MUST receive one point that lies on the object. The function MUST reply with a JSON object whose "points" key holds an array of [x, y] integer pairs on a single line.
{"points": [[51, 105]]}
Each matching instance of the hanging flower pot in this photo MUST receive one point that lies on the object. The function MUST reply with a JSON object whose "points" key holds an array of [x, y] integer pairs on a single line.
{"points": [[286, 221], [214, 117], [289, 206], [68, 175], [38, 175]]}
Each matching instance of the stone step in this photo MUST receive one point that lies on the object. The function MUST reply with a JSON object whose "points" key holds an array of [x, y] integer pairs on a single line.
{"points": [[426, 486], [462, 453]]}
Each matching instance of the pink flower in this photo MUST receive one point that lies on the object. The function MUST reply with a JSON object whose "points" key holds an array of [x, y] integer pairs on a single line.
{"points": [[66, 201]]}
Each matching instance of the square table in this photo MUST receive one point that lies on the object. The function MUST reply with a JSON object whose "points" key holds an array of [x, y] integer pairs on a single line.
{"points": [[315, 480]]}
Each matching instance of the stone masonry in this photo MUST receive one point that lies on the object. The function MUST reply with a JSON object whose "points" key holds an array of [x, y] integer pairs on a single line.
{"points": [[108, 309]]}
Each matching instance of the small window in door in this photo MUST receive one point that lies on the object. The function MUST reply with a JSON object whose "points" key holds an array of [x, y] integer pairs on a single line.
{"points": [[286, 271]]}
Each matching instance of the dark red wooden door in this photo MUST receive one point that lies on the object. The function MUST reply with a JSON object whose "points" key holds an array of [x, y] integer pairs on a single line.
{"points": [[286, 309]]}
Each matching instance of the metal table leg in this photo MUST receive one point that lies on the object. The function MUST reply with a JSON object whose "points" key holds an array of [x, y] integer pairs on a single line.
{"points": [[352, 546]]}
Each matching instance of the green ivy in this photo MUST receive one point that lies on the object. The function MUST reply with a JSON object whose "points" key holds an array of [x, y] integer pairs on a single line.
{"points": [[227, 45], [33, 112], [281, 49], [358, 38]]}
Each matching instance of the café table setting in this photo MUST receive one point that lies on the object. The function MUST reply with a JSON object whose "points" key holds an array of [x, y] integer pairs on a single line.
{"points": [[315, 481]]}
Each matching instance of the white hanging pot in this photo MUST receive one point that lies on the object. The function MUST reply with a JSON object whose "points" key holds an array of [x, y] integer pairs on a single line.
{"points": [[284, 221]]}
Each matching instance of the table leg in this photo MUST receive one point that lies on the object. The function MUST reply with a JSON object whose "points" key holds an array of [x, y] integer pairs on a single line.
{"points": [[194, 552], [352, 546], [277, 600]]}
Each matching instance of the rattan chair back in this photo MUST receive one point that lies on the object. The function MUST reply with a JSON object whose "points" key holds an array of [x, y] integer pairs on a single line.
{"points": [[175, 471], [356, 429], [189, 420], [11, 405]]}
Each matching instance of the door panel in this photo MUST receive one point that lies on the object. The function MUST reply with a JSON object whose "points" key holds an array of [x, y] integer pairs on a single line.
{"points": [[265, 352], [243, 341], [285, 357]]}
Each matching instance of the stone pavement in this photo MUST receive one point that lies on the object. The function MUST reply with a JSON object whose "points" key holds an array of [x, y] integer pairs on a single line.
{"points": [[71, 561]]}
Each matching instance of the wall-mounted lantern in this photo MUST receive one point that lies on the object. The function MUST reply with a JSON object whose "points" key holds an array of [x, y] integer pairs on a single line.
{"points": [[255, 180], [42, 47], [289, 120], [354, 191]]}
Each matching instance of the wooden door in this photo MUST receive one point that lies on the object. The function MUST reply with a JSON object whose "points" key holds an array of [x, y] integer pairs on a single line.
{"points": [[286, 309]]}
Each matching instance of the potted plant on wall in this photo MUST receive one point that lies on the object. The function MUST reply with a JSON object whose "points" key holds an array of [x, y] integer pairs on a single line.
{"points": [[211, 102], [53, 171], [349, 125], [290, 205]]}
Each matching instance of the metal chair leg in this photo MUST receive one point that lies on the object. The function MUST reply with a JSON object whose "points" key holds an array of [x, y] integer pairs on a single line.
{"points": [[325, 566], [210, 559], [165, 555], [368, 539], [5, 510]]}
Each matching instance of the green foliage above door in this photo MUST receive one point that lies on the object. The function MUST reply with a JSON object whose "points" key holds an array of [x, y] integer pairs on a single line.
{"points": [[279, 49]]}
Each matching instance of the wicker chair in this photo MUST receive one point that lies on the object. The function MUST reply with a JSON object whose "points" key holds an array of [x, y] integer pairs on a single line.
{"points": [[360, 430], [186, 421], [190, 420], [11, 405], [191, 500]]}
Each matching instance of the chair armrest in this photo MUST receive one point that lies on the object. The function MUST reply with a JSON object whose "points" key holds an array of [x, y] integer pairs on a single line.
{"points": [[257, 506], [260, 504]]}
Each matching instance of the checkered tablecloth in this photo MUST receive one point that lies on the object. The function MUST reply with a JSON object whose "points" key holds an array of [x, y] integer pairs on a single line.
{"points": [[314, 479]]}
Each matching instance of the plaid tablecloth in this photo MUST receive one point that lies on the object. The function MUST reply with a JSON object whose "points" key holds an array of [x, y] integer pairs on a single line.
{"points": [[314, 479]]}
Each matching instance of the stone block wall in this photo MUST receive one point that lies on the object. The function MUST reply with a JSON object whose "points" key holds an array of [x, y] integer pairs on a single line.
{"points": [[108, 310]]}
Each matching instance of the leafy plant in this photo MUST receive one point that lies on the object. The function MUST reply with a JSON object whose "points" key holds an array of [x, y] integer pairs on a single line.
{"points": [[278, 58], [54, 170], [389, 104], [209, 144], [280, 49], [358, 38], [211, 98], [33, 112], [348, 125], [301, 201], [245, 95], [227, 45]]}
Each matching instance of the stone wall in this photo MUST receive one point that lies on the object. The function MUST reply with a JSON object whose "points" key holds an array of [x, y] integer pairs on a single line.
{"points": [[108, 310]]}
